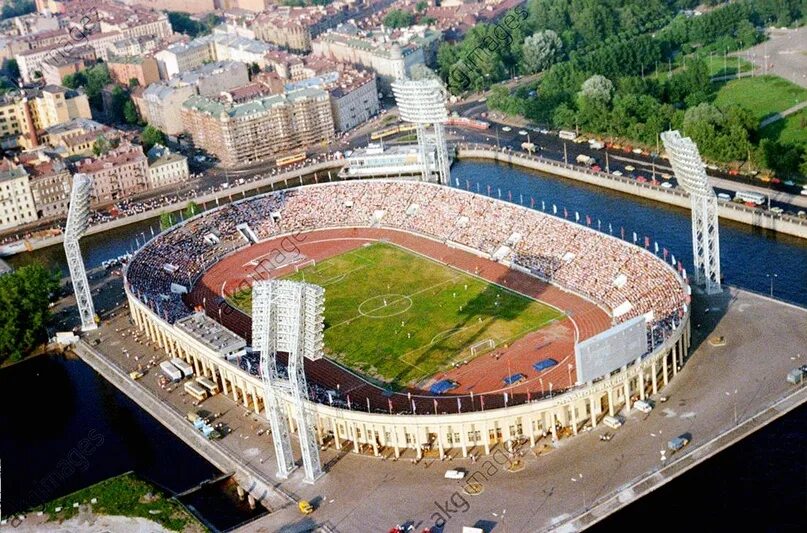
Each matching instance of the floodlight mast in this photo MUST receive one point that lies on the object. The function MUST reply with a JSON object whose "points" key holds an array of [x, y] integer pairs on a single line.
{"points": [[264, 339], [78, 219], [287, 316], [691, 174], [423, 103]]}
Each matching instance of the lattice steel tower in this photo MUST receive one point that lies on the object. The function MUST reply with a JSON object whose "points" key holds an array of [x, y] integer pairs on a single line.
{"points": [[78, 218], [423, 103], [691, 174], [287, 316]]}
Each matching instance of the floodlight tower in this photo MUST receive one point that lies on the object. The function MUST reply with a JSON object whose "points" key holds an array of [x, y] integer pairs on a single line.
{"points": [[78, 218], [287, 316], [691, 173], [423, 103]]}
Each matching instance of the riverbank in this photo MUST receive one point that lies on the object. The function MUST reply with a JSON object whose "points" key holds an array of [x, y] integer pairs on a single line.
{"points": [[123, 502], [757, 218]]}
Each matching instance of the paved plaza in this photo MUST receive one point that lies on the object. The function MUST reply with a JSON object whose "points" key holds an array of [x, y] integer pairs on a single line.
{"points": [[720, 386]]}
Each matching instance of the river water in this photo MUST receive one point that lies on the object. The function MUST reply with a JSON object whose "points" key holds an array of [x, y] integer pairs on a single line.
{"points": [[56, 402]]}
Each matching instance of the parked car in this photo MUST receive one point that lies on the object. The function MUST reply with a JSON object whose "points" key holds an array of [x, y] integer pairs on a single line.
{"points": [[454, 474], [678, 443], [613, 422], [643, 406]]}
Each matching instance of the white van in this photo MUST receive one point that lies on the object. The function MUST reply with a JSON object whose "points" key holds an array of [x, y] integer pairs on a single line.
{"points": [[454, 474], [613, 422], [642, 406]]}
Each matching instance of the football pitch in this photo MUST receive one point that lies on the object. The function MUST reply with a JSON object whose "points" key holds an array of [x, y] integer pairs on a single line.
{"points": [[399, 317]]}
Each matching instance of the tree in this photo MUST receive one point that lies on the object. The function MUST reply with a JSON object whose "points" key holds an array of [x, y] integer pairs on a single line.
{"points": [[254, 68], [101, 146], [15, 8], [598, 89], [398, 18], [12, 69], [134, 82], [421, 6], [166, 221], [541, 50], [192, 209], [130, 112], [24, 298], [150, 137]]}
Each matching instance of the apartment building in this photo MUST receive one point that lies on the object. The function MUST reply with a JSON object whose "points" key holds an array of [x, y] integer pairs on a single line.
{"points": [[24, 114], [182, 57], [293, 28], [163, 100], [144, 69], [50, 182], [120, 173], [76, 137], [166, 167], [390, 58], [55, 68], [259, 129], [16, 201]]}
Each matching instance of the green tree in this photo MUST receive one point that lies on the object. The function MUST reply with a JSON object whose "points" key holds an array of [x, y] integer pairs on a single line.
{"points": [[192, 209], [541, 50], [151, 136], [421, 6], [15, 8], [11, 69], [166, 221], [398, 18], [101, 145], [134, 82], [24, 298], [130, 112]]}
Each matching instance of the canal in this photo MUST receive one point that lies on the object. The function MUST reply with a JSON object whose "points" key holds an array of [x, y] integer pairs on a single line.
{"points": [[54, 402]]}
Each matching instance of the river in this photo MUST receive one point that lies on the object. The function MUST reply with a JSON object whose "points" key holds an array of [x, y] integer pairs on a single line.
{"points": [[56, 401]]}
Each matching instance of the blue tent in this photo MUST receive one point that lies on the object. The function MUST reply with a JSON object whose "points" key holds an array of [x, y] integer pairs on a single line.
{"points": [[515, 378], [543, 364], [442, 386]]}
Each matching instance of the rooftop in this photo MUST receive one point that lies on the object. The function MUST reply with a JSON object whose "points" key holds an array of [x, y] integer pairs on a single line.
{"points": [[210, 333], [221, 107]]}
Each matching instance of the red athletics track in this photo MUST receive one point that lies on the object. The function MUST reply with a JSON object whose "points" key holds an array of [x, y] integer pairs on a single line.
{"points": [[483, 375]]}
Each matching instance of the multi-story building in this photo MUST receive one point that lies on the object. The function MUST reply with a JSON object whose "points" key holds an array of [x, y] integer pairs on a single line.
{"points": [[76, 137], [188, 6], [162, 105], [50, 182], [163, 100], [294, 27], [144, 69], [55, 68], [24, 114], [120, 173], [182, 57], [16, 201], [391, 59], [353, 91], [259, 129], [166, 167]]}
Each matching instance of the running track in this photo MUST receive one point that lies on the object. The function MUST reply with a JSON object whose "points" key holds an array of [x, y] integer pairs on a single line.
{"points": [[482, 376]]}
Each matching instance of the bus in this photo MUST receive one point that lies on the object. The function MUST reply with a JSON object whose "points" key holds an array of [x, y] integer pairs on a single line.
{"points": [[209, 385], [400, 128], [567, 135], [195, 391], [289, 159], [751, 197]]}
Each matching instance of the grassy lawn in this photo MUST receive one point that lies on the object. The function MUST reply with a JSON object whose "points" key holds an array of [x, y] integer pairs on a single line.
{"points": [[763, 96], [791, 129], [124, 496], [399, 317]]}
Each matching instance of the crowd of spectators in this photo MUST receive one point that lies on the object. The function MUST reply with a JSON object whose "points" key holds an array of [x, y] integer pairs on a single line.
{"points": [[609, 271]]}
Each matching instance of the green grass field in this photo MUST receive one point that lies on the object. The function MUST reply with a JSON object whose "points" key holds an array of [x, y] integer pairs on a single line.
{"points": [[790, 130], [398, 317], [763, 95]]}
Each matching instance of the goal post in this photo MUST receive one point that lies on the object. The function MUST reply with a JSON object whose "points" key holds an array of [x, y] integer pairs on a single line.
{"points": [[482, 346], [302, 265]]}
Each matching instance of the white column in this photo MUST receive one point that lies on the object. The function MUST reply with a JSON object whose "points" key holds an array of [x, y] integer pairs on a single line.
{"points": [[611, 402], [593, 407], [654, 377], [573, 410], [641, 383], [464, 440]]}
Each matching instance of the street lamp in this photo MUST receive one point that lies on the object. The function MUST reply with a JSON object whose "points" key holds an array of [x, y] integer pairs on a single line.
{"points": [[771, 277]]}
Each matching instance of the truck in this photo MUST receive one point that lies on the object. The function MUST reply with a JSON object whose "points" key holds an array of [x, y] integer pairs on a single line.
{"points": [[171, 372], [185, 368], [585, 160], [677, 443]]}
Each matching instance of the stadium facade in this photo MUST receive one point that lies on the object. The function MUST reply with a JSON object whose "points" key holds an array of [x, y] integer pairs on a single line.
{"points": [[155, 308]]}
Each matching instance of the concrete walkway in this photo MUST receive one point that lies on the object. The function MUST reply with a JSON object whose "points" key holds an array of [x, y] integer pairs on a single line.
{"points": [[779, 116]]}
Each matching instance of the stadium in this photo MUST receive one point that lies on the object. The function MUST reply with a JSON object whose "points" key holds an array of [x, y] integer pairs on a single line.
{"points": [[451, 318]]}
